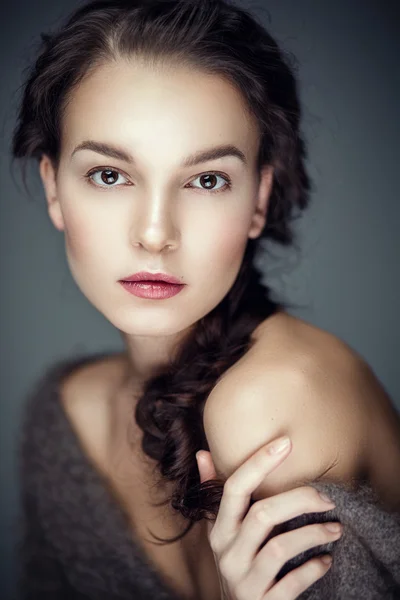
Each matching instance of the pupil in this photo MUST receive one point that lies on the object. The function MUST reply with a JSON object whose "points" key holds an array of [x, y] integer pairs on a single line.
{"points": [[106, 176], [208, 177]]}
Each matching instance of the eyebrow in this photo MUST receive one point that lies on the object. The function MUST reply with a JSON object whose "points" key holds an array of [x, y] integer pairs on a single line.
{"points": [[190, 161]]}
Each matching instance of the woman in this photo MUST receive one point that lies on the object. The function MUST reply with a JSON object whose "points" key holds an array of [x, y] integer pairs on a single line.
{"points": [[140, 113]]}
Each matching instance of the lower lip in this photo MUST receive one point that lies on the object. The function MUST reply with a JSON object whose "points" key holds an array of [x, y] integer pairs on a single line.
{"points": [[155, 291]]}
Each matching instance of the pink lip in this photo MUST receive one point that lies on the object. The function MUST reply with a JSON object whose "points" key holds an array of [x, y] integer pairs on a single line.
{"points": [[153, 290], [146, 276]]}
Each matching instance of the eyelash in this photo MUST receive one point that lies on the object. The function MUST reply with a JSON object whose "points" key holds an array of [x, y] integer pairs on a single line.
{"points": [[226, 187]]}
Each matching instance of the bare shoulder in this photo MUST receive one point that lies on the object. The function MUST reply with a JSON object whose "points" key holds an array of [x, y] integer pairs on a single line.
{"points": [[287, 344], [313, 352], [300, 380], [359, 403], [300, 344], [85, 395], [333, 367]]}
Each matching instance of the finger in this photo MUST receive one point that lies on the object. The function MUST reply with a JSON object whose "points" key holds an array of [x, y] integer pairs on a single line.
{"points": [[205, 465], [265, 514], [206, 471], [299, 579], [279, 550], [239, 487]]}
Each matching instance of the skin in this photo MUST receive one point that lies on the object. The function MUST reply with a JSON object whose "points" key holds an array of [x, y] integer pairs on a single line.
{"points": [[149, 218], [245, 571], [159, 117], [156, 216]]}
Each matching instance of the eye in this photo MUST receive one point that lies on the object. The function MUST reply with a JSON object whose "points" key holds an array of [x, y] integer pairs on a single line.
{"points": [[108, 177], [209, 178]]}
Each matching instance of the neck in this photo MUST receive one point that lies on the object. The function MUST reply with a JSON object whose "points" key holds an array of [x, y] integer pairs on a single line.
{"points": [[146, 355]]}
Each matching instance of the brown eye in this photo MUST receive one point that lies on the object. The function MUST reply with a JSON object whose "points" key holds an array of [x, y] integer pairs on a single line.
{"points": [[108, 177], [208, 181]]}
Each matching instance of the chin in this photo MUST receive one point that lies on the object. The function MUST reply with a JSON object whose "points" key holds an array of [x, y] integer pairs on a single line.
{"points": [[136, 324]]}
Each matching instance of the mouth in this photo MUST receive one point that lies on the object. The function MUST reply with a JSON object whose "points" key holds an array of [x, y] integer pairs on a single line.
{"points": [[150, 282], [154, 289], [156, 278]]}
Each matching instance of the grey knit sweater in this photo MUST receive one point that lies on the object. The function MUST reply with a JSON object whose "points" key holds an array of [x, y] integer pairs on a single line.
{"points": [[75, 542]]}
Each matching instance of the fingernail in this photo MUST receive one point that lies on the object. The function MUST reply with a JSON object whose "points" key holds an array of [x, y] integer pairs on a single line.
{"points": [[325, 498], [279, 446], [334, 527]]}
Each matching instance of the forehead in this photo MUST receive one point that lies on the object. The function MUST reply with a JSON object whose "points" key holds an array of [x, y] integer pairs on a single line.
{"points": [[132, 102]]}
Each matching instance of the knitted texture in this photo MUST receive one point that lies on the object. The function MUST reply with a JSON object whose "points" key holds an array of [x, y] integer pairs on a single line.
{"points": [[75, 542]]}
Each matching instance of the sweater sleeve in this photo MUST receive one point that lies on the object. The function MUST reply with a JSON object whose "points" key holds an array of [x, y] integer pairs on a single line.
{"points": [[40, 573], [366, 559]]}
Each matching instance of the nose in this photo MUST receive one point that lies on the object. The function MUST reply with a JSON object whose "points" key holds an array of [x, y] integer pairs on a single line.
{"points": [[154, 234], [152, 248]]}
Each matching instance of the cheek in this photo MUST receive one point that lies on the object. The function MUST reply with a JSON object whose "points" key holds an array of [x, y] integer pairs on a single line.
{"points": [[227, 244], [232, 243], [217, 257], [90, 250], [85, 237]]}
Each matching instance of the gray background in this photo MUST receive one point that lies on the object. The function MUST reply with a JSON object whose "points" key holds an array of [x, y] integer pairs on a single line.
{"points": [[346, 277]]}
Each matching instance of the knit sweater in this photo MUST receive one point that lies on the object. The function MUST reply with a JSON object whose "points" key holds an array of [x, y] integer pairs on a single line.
{"points": [[75, 542]]}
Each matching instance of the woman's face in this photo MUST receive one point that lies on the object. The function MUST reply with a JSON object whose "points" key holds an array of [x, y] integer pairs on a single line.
{"points": [[120, 223]]}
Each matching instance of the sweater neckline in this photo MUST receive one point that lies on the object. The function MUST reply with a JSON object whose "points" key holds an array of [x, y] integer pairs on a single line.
{"points": [[104, 500]]}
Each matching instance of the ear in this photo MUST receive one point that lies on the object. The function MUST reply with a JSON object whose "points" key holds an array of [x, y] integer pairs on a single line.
{"points": [[264, 192], [48, 176]]}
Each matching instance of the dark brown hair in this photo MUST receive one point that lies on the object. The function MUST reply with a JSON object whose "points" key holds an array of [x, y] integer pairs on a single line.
{"points": [[219, 38]]}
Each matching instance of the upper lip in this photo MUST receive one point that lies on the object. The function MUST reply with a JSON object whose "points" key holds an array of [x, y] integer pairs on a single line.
{"points": [[147, 276]]}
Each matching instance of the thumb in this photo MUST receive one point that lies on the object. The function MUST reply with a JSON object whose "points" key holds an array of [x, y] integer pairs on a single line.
{"points": [[206, 471], [205, 465]]}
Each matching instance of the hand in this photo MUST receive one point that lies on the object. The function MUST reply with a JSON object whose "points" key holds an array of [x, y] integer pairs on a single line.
{"points": [[245, 573]]}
